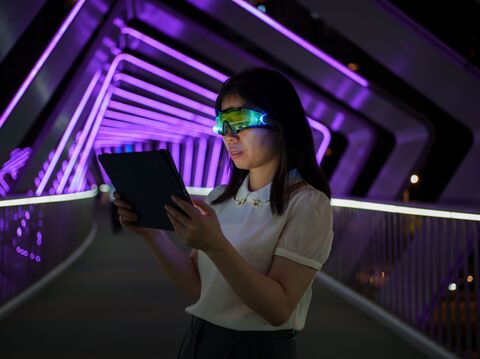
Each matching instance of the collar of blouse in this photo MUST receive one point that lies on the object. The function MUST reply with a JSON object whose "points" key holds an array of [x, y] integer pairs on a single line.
{"points": [[261, 196]]}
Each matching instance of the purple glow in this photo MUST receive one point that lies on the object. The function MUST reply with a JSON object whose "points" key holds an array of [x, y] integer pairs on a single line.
{"points": [[187, 163], [153, 116], [201, 156], [190, 86], [338, 121], [38, 259], [88, 124], [41, 61], [100, 101], [19, 231], [164, 107], [175, 54], [325, 139], [91, 138], [303, 43], [176, 154], [136, 134], [18, 158], [213, 165], [68, 131], [194, 105], [114, 124]]}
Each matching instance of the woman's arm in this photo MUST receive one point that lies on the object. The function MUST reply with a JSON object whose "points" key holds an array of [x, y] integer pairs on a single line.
{"points": [[273, 296], [175, 264]]}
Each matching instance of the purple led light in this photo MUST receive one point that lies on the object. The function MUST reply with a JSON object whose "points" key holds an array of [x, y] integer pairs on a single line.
{"points": [[4, 187], [338, 121], [187, 163], [169, 77], [137, 134], [108, 124], [175, 54], [16, 160], [155, 116], [91, 138], [100, 101], [194, 105], [213, 165], [176, 154], [305, 44], [41, 61], [202, 151], [68, 131], [325, 139], [165, 108]]}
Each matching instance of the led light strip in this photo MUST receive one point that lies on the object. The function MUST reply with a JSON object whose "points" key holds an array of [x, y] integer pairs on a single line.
{"points": [[41, 61], [68, 131], [175, 54], [160, 122], [371, 206], [48, 199], [194, 105], [175, 111], [91, 138], [302, 42], [100, 102], [327, 137]]}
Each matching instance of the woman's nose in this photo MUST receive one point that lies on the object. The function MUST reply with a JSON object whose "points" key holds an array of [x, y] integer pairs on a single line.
{"points": [[229, 136]]}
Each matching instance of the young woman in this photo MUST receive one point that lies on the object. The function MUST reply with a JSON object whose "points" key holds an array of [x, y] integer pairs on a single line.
{"points": [[256, 241]]}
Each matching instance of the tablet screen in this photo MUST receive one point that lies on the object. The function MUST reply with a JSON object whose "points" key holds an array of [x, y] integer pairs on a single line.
{"points": [[147, 180]]}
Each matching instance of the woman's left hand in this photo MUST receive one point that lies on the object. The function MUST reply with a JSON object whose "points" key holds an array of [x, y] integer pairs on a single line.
{"points": [[198, 229]]}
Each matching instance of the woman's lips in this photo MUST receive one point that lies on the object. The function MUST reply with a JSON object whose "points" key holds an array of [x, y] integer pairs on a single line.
{"points": [[236, 154]]}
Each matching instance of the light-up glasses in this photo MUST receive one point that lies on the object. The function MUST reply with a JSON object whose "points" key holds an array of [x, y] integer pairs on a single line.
{"points": [[238, 119]]}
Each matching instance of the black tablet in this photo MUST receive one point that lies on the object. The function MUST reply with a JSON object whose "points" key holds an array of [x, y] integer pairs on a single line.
{"points": [[147, 180]]}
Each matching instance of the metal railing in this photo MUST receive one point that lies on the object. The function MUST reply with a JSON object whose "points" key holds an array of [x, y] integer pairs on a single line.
{"points": [[37, 234], [421, 266]]}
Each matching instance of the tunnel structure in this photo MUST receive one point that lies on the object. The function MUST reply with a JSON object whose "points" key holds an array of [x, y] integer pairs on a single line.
{"points": [[385, 98]]}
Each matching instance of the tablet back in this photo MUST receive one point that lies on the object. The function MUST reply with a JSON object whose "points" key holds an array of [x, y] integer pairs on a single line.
{"points": [[146, 180]]}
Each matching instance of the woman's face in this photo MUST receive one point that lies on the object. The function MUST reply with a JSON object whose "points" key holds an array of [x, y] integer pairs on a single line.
{"points": [[252, 147]]}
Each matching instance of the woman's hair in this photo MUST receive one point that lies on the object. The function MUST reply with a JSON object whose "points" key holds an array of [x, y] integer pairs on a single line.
{"points": [[272, 92]]}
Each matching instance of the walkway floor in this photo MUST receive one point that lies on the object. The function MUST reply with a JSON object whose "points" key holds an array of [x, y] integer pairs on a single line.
{"points": [[115, 303]]}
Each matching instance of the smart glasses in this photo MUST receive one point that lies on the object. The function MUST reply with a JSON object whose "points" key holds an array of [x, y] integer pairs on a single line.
{"points": [[238, 119]]}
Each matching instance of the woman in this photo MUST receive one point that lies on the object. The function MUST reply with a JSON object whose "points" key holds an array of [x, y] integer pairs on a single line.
{"points": [[258, 240]]}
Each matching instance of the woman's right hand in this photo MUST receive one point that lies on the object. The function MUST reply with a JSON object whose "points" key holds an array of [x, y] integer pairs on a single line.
{"points": [[128, 217]]}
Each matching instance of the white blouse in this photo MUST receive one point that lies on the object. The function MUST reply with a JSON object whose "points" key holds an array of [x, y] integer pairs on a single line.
{"points": [[302, 234]]}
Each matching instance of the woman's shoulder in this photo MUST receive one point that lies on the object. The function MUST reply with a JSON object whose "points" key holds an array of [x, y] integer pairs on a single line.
{"points": [[304, 193]]}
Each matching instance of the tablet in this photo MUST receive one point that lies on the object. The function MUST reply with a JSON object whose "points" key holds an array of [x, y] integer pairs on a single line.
{"points": [[146, 180]]}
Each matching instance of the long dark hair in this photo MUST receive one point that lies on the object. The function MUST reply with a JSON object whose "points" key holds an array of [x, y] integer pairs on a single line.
{"points": [[273, 93]]}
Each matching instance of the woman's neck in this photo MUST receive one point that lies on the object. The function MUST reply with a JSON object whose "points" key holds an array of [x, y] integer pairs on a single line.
{"points": [[262, 176]]}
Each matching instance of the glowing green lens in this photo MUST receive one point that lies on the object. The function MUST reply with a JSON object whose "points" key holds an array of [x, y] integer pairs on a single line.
{"points": [[239, 119]]}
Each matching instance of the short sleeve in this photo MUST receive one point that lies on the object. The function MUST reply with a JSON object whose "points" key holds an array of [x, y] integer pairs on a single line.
{"points": [[307, 236], [214, 193]]}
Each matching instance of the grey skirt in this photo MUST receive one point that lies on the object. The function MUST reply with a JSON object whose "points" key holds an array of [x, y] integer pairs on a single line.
{"points": [[204, 340]]}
